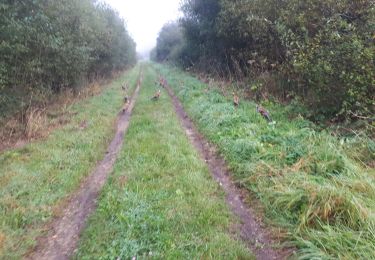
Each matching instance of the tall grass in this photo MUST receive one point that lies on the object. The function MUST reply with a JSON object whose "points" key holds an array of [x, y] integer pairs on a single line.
{"points": [[311, 183], [23, 122], [36, 179]]}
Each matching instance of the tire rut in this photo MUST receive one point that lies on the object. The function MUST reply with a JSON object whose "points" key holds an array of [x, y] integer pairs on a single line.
{"points": [[63, 236], [255, 236]]}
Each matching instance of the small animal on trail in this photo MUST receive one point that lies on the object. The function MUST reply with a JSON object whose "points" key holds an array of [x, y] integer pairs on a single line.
{"points": [[236, 100], [124, 87], [126, 104], [156, 95], [125, 107], [158, 82], [162, 82], [264, 113]]}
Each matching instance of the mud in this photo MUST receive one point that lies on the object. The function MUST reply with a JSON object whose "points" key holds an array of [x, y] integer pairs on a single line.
{"points": [[62, 239], [251, 230]]}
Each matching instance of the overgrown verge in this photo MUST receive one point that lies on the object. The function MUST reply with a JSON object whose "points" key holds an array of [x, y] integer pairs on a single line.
{"points": [[36, 179], [317, 187], [39, 118], [161, 201]]}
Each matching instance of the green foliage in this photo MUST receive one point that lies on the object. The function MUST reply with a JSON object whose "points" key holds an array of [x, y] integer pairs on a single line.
{"points": [[202, 42], [169, 43], [323, 50], [160, 201], [312, 184], [36, 180], [331, 54], [50, 45]]}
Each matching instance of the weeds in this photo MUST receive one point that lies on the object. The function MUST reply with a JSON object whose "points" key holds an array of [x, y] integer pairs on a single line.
{"points": [[36, 120]]}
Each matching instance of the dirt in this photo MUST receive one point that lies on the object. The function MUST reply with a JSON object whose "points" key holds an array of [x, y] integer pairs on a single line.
{"points": [[62, 238], [251, 230]]}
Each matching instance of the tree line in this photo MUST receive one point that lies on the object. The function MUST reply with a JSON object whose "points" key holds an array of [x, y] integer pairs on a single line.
{"points": [[50, 45], [321, 52]]}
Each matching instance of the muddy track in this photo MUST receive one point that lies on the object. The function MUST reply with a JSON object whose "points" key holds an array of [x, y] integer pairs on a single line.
{"points": [[62, 239], [251, 231]]}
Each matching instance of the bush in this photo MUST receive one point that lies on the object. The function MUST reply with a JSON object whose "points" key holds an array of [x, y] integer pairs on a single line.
{"points": [[331, 54], [50, 45], [322, 52]]}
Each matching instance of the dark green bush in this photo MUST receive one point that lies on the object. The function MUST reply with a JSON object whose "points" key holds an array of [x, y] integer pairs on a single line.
{"points": [[51, 45], [320, 51]]}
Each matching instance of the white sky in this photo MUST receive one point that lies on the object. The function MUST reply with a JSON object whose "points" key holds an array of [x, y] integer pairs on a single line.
{"points": [[145, 18]]}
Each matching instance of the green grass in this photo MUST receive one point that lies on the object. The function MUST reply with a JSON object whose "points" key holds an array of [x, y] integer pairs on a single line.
{"points": [[310, 183], [160, 202], [35, 179]]}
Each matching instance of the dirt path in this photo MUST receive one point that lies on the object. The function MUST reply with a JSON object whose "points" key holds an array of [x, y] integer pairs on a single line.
{"points": [[61, 241], [252, 232]]}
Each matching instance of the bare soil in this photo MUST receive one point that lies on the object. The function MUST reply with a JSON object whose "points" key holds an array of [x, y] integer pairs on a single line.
{"points": [[63, 235], [251, 230]]}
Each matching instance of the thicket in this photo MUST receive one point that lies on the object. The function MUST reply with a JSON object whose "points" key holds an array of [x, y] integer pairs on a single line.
{"points": [[320, 51], [47, 46]]}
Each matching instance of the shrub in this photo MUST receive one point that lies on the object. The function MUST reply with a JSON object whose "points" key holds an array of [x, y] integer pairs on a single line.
{"points": [[321, 52], [50, 45]]}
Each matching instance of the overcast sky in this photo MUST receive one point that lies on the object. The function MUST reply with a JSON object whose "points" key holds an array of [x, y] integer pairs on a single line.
{"points": [[145, 18]]}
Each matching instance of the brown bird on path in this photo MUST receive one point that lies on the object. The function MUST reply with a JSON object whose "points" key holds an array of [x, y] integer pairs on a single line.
{"points": [[125, 107], [163, 82], [264, 113], [159, 82], [156, 96], [236, 100]]}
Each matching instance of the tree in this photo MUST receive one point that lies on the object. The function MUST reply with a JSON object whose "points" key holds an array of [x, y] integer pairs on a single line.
{"points": [[169, 42], [49, 45], [321, 51]]}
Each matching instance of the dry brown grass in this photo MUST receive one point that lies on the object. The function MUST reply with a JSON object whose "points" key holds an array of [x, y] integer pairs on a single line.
{"points": [[2, 241], [35, 120], [122, 181], [38, 120]]}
